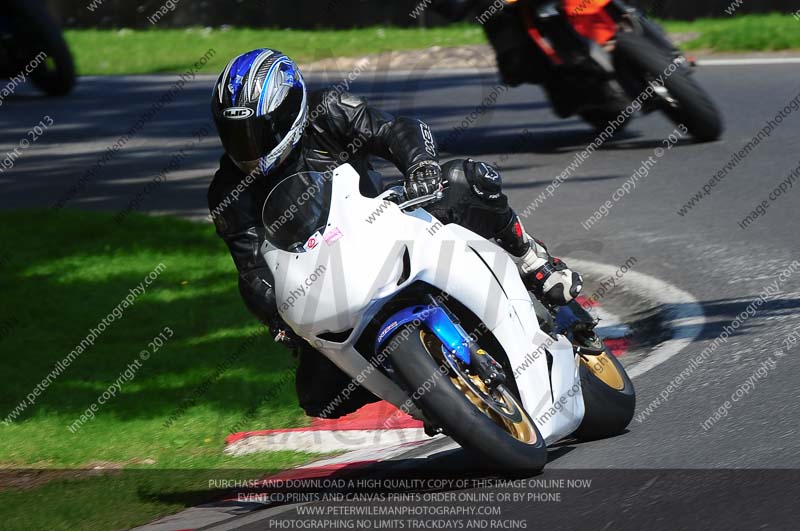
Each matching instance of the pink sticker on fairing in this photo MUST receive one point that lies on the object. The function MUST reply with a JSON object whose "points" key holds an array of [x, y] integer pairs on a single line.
{"points": [[332, 235]]}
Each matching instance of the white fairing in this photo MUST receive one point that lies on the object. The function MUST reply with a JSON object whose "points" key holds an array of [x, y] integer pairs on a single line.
{"points": [[348, 273]]}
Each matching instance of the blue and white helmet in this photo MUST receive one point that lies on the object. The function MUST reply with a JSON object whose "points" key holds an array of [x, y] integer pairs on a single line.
{"points": [[260, 107]]}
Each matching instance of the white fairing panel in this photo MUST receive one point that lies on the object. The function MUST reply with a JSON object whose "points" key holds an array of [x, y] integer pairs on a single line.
{"points": [[497, 295], [353, 267]]}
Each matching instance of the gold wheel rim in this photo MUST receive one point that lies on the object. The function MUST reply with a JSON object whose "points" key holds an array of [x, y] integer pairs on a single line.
{"points": [[522, 430], [604, 370]]}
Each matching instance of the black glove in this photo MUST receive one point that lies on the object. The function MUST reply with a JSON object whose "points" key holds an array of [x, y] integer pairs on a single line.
{"points": [[555, 283], [423, 178]]}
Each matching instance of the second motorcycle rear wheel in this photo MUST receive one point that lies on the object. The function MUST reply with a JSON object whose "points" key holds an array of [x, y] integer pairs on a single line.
{"points": [[637, 58]]}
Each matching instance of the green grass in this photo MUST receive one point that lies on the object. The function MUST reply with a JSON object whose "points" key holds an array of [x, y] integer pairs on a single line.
{"points": [[101, 52], [112, 499], [57, 286], [743, 33]]}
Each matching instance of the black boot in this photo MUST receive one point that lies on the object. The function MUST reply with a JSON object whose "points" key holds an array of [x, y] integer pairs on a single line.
{"points": [[579, 326], [546, 277], [321, 386]]}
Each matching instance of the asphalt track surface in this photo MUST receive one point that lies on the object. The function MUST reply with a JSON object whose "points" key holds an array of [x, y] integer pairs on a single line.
{"points": [[704, 252]]}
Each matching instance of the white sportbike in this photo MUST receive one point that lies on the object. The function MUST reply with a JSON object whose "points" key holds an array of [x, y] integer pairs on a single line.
{"points": [[436, 320]]}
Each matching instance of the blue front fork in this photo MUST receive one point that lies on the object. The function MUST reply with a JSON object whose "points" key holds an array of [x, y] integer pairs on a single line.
{"points": [[436, 319]]}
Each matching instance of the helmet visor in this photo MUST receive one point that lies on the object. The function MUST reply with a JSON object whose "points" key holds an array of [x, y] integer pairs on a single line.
{"points": [[249, 138]]}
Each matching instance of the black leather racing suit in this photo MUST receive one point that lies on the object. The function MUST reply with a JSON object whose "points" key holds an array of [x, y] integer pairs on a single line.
{"points": [[474, 199], [519, 60]]}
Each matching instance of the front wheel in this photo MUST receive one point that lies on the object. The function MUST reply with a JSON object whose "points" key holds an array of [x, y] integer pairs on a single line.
{"points": [[608, 396], [492, 423], [640, 62]]}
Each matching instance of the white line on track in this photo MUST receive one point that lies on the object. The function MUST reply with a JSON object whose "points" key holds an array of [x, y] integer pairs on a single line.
{"points": [[750, 61], [682, 313], [441, 72]]}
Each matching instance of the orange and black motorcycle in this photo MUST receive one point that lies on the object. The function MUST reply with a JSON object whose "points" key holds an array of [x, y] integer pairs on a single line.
{"points": [[595, 58]]}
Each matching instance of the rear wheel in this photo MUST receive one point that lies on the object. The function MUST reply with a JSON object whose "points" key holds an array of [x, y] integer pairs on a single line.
{"points": [[608, 396], [490, 422], [640, 62]]}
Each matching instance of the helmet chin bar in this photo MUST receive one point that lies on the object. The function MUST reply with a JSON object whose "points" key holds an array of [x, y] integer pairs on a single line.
{"points": [[247, 166], [255, 167]]}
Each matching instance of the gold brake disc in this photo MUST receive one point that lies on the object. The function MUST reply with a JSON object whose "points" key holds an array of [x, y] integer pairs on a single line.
{"points": [[522, 429]]}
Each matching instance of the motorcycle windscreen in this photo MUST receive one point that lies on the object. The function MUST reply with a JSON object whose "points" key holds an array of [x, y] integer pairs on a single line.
{"points": [[296, 210]]}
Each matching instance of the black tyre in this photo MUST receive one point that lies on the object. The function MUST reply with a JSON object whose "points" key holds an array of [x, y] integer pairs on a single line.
{"points": [[637, 58], [515, 448], [608, 396], [56, 74]]}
